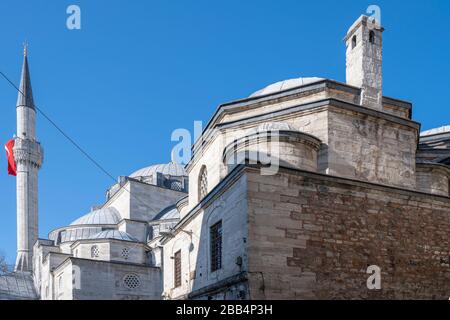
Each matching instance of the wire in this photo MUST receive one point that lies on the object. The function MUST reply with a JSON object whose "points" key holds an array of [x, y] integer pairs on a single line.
{"points": [[62, 132], [73, 142]]}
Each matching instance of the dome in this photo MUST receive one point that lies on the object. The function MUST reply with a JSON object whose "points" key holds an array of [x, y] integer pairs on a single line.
{"points": [[285, 85], [440, 130], [74, 234], [114, 234], [101, 216], [171, 169]]}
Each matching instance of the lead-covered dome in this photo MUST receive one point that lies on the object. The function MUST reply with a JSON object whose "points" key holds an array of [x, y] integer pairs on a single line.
{"points": [[115, 235], [101, 216], [440, 130], [285, 85], [169, 169]]}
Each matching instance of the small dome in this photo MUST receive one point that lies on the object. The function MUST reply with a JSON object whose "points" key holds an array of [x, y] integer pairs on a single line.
{"points": [[440, 130], [171, 168], [74, 234], [168, 213], [101, 216], [114, 234], [285, 85]]}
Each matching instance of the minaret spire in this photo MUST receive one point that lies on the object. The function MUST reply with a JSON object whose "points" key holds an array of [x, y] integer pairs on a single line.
{"points": [[28, 155], [25, 96]]}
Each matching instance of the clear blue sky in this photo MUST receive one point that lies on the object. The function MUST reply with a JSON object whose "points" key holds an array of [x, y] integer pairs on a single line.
{"points": [[137, 70]]}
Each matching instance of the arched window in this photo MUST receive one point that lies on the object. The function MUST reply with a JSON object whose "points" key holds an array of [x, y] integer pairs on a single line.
{"points": [[94, 252], [353, 42], [202, 183], [372, 37]]}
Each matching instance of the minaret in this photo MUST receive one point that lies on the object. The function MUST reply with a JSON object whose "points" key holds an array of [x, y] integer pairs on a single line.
{"points": [[364, 60], [28, 155]]}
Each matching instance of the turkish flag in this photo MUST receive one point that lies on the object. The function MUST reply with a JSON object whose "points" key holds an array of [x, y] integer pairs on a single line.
{"points": [[12, 170]]}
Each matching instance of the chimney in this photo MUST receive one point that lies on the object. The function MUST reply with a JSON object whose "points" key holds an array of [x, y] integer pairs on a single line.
{"points": [[364, 60]]}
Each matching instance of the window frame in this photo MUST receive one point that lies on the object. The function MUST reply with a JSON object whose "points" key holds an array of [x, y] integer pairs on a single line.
{"points": [[202, 183], [177, 281], [95, 251], [216, 246]]}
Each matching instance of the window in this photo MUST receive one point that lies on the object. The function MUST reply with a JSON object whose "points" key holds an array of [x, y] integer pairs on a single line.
{"points": [[353, 42], [177, 269], [132, 281], [125, 253], [216, 246], [202, 183], [372, 37], [94, 252]]}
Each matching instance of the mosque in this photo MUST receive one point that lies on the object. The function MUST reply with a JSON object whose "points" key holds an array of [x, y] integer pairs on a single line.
{"points": [[355, 185]]}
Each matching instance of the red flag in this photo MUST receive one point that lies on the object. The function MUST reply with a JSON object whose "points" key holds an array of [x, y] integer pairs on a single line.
{"points": [[12, 170]]}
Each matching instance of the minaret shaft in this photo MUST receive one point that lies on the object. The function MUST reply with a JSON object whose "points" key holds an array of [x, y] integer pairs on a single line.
{"points": [[28, 155]]}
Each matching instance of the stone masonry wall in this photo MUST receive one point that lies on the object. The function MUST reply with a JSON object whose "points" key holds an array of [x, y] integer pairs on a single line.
{"points": [[313, 236], [192, 239], [371, 149], [110, 277], [433, 178]]}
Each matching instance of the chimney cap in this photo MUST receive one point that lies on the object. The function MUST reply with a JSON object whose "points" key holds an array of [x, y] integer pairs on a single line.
{"points": [[369, 22]]}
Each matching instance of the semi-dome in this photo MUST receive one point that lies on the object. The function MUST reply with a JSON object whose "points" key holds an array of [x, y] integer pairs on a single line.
{"points": [[285, 85], [101, 216], [172, 169], [114, 234], [168, 213]]}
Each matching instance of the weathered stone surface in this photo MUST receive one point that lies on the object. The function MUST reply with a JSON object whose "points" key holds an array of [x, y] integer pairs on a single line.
{"points": [[342, 232]]}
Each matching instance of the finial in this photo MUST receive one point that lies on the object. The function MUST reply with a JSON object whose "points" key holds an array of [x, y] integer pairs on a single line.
{"points": [[25, 48]]}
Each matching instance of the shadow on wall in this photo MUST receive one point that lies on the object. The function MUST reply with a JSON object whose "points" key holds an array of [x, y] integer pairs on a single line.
{"points": [[209, 257]]}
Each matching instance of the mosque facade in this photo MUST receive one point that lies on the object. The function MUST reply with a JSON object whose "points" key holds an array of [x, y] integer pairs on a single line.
{"points": [[355, 185]]}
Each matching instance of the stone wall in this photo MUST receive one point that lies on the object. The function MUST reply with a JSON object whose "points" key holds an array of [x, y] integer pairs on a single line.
{"points": [[48, 286], [433, 178], [148, 200], [111, 250], [137, 229], [313, 236], [41, 271], [357, 142], [109, 276], [311, 122], [141, 201], [371, 148], [192, 238]]}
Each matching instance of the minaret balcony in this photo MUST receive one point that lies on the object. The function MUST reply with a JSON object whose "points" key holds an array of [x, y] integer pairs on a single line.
{"points": [[28, 151]]}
